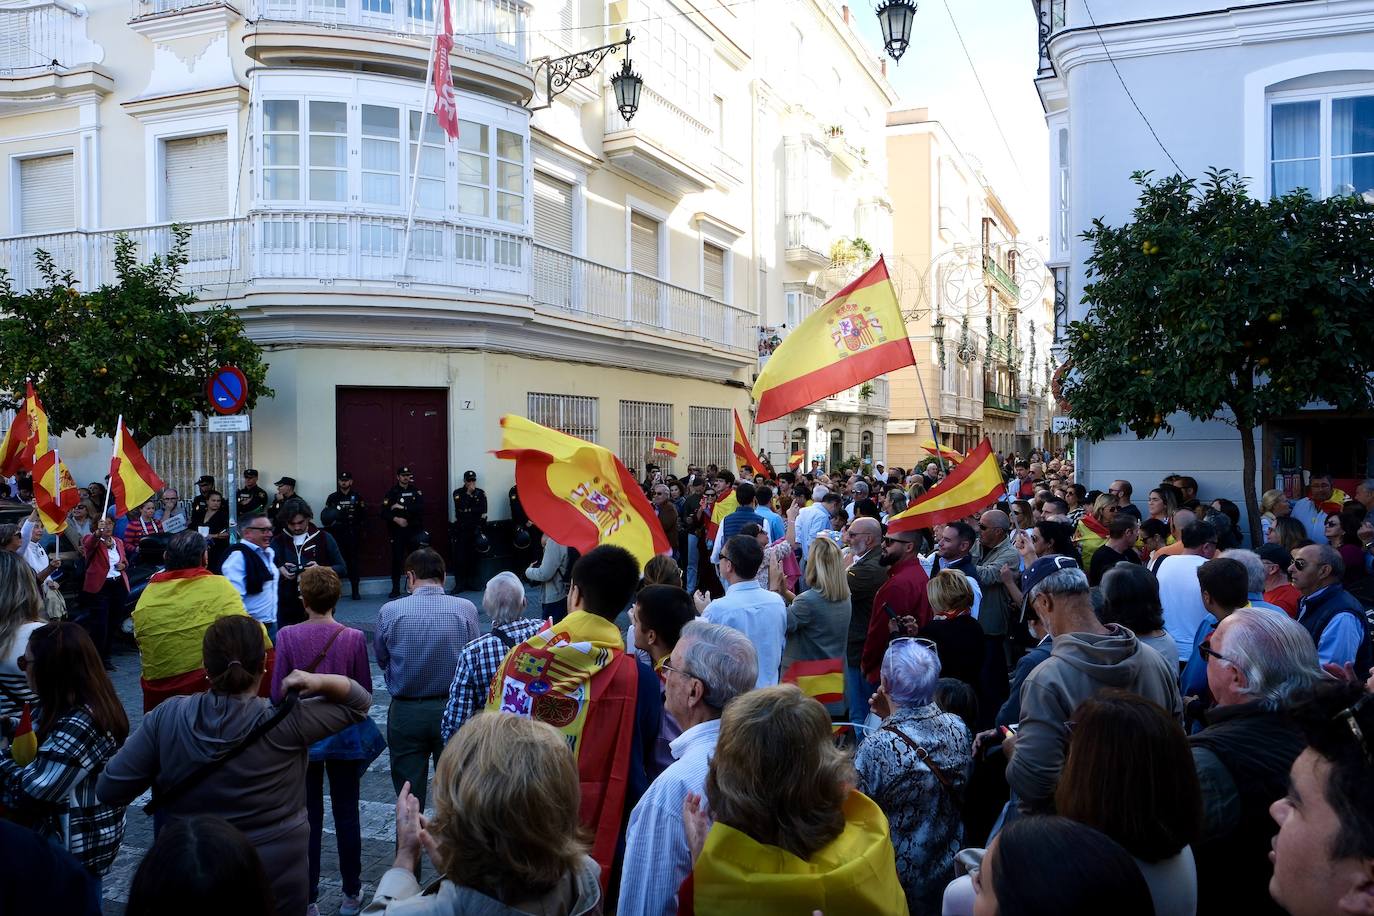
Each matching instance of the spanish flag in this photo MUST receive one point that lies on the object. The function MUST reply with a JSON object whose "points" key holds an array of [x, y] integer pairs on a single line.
{"points": [[665, 446], [795, 460], [38, 426], [722, 508], [579, 493], [936, 450], [822, 680], [748, 462], [12, 448], [972, 486], [24, 744], [132, 480], [27, 437], [856, 336], [54, 491]]}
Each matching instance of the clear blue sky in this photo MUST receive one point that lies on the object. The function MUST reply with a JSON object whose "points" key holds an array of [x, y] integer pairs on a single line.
{"points": [[934, 73]]}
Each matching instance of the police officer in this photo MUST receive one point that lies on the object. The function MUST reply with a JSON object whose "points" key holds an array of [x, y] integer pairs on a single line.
{"points": [[402, 508], [286, 489], [206, 483], [343, 516], [469, 515], [524, 533], [252, 499]]}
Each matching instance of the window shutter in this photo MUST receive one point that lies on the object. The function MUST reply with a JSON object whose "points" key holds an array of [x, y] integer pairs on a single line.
{"points": [[194, 172], [553, 219], [713, 271], [643, 244], [47, 195]]}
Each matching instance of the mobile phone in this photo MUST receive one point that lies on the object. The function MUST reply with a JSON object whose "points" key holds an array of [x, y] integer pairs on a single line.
{"points": [[887, 609]]}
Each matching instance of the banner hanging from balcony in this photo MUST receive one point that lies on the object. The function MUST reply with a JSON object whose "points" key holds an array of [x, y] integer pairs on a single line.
{"points": [[445, 99], [579, 493], [856, 336]]}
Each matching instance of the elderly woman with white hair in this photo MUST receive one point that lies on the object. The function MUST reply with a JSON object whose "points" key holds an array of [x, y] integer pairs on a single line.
{"points": [[915, 766], [504, 602]]}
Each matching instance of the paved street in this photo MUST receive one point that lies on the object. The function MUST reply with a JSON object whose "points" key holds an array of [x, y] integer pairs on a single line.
{"points": [[378, 799]]}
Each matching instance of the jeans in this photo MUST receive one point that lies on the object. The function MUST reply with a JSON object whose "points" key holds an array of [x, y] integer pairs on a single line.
{"points": [[857, 690], [412, 733], [692, 542], [345, 777]]}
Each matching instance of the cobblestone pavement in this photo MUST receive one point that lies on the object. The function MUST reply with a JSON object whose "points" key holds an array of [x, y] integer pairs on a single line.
{"points": [[377, 797]]}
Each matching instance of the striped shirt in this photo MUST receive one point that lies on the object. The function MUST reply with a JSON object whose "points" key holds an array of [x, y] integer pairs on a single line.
{"points": [[419, 639], [476, 668]]}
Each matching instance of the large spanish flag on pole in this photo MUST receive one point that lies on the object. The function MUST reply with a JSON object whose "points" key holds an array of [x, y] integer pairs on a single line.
{"points": [[132, 480], [12, 448], [856, 336], [974, 485], [936, 450], [578, 492], [54, 491], [745, 458]]}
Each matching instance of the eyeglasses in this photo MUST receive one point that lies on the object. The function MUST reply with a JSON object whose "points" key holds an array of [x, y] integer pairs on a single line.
{"points": [[682, 671], [1205, 650], [1300, 564]]}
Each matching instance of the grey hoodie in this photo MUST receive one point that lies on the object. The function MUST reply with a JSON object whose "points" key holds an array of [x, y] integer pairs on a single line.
{"points": [[399, 894], [1080, 666]]}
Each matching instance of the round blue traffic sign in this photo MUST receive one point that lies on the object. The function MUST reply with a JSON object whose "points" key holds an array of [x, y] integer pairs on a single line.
{"points": [[227, 389]]}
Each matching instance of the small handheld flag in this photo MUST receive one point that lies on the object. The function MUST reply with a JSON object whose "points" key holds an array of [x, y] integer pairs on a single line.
{"points": [[665, 446], [54, 492], [132, 480], [24, 745], [796, 459], [972, 486], [12, 448]]}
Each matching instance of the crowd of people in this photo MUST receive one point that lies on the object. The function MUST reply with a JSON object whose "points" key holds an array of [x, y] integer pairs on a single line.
{"points": [[1062, 702]]}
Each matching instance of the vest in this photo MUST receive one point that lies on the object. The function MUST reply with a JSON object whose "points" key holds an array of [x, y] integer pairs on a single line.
{"points": [[255, 572], [1316, 614]]}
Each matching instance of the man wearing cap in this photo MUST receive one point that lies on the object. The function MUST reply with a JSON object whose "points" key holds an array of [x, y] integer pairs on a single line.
{"points": [[901, 601], [206, 484], [1087, 658], [286, 488], [343, 516], [402, 509], [252, 499], [469, 515]]}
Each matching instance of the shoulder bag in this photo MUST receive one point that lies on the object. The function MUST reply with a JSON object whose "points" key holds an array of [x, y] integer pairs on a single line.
{"points": [[923, 755], [361, 741]]}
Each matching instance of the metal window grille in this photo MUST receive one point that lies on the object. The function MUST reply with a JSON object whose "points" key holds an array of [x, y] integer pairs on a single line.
{"points": [[710, 434], [567, 413], [191, 450], [640, 423]]}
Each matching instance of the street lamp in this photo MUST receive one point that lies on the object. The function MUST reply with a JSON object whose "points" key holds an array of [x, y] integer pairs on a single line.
{"points": [[627, 85], [895, 17]]}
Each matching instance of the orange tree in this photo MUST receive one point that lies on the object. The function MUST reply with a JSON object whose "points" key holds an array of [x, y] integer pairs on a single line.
{"points": [[143, 346], [1223, 307]]}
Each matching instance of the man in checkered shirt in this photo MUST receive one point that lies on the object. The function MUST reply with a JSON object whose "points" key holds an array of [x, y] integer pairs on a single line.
{"points": [[504, 602]]}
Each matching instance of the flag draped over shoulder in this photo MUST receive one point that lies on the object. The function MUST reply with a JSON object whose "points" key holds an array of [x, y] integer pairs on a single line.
{"points": [[722, 508], [970, 487], [856, 336], [132, 480], [745, 458], [578, 492], [54, 492]]}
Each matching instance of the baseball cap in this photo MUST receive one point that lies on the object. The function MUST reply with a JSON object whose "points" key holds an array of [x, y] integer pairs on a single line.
{"points": [[344, 475], [285, 481], [250, 472], [403, 471], [205, 478], [1275, 554], [1039, 571], [469, 475]]}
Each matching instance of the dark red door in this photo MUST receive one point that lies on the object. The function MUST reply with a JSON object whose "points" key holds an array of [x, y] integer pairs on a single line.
{"points": [[381, 429]]}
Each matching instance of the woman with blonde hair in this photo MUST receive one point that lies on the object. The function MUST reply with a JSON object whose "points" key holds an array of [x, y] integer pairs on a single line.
{"points": [[1092, 530], [957, 635], [818, 618], [20, 605], [780, 790], [504, 839], [1273, 504]]}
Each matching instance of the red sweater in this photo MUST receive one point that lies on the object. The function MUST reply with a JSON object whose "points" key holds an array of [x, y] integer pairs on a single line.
{"points": [[904, 592]]}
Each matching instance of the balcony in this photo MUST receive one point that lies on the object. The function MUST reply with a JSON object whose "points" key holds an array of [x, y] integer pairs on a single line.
{"points": [[393, 36], [665, 145], [994, 401], [808, 240], [851, 400], [1050, 17], [46, 55], [999, 279], [843, 147]]}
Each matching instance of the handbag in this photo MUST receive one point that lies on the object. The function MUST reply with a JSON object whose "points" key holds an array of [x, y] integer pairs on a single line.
{"points": [[361, 741]]}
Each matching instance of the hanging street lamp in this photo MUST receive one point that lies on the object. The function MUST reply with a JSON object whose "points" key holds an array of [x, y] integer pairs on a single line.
{"points": [[896, 18], [627, 85], [561, 72]]}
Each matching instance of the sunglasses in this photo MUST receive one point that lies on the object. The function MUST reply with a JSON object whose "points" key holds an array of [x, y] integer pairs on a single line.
{"points": [[1205, 650], [1300, 564], [918, 640]]}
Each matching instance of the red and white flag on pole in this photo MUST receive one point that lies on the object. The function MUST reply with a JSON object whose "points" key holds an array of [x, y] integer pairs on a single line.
{"points": [[445, 99]]}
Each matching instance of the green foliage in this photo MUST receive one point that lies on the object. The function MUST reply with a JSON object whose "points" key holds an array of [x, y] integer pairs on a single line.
{"points": [[142, 346], [865, 391]]}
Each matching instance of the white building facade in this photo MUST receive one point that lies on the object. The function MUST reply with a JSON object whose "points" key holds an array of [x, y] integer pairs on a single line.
{"points": [[1281, 92]]}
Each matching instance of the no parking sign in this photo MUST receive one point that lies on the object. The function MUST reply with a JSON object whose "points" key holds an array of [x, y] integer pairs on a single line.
{"points": [[227, 390]]}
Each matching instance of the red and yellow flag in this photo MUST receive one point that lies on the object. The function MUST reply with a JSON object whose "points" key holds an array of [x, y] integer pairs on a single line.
{"points": [[745, 458], [822, 680], [54, 492], [722, 508], [856, 336], [795, 460], [12, 448], [973, 485], [936, 450], [132, 480], [578, 492], [665, 446], [27, 437], [24, 744]]}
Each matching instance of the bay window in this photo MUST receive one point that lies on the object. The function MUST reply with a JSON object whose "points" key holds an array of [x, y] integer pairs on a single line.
{"points": [[1322, 142]]}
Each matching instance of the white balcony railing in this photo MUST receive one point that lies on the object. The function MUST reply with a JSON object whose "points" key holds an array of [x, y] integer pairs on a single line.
{"points": [[495, 26], [670, 126], [39, 33], [853, 397], [608, 295], [805, 230]]}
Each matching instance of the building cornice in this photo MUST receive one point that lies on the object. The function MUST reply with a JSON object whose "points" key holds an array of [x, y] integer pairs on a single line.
{"points": [[225, 98]]}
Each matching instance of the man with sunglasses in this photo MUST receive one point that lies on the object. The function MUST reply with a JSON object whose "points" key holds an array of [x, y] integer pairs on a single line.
{"points": [[1328, 612], [901, 606]]}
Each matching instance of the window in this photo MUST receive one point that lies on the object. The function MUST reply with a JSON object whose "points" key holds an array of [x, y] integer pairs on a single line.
{"points": [[195, 178], [640, 423], [644, 232], [797, 443], [711, 436], [675, 65], [866, 448], [47, 194], [713, 271], [1061, 194], [381, 166], [429, 189], [799, 307], [553, 212], [477, 195], [836, 448], [328, 143], [567, 413], [1323, 143], [718, 119], [281, 150]]}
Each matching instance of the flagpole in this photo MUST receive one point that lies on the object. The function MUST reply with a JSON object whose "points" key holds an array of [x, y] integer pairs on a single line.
{"points": [[934, 430], [420, 139], [109, 486]]}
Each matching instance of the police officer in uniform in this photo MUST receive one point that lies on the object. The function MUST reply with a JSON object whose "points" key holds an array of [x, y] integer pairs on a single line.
{"points": [[252, 499], [207, 486], [402, 508], [526, 545], [469, 515], [286, 489], [343, 517]]}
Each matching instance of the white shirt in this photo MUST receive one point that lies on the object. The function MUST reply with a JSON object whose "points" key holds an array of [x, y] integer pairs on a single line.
{"points": [[656, 856], [262, 607], [811, 521], [761, 616], [1181, 597]]}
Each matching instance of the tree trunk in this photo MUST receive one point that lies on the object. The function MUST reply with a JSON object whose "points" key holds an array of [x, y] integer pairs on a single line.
{"points": [[1247, 451]]}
